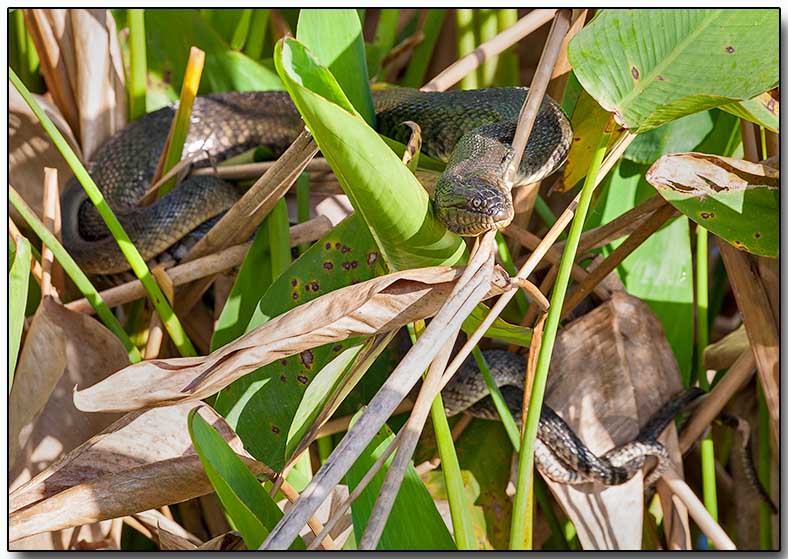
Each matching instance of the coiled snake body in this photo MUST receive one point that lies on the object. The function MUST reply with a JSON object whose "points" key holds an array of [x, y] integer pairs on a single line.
{"points": [[471, 131]]}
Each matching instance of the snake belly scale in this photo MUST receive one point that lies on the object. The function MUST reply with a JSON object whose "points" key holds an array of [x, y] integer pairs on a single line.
{"points": [[471, 131]]}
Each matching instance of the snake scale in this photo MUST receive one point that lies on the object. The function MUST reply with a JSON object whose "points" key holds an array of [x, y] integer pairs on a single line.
{"points": [[471, 131]]}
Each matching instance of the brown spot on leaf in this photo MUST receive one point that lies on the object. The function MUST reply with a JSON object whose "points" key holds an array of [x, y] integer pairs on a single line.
{"points": [[294, 282], [328, 246], [345, 249], [770, 105], [635, 72], [337, 347], [274, 429], [661, 78], [295, 296], [303, 379], [167, 76], [315, 285], [283, 378], [307, 358], [757, 235], [354, 264], [283, 362], [372, 257], [346, 265], [729, 49], [328, 265], [337, 245], [707, 215], [306, 287]]}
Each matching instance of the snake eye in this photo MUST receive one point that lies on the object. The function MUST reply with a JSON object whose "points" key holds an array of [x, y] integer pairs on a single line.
{"points": [[476, 202]]}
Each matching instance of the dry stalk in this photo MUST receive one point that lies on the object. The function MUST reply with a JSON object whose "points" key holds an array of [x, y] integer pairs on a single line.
{"points": [[533, 100], [207, 265], [341, 424], [697, 511], [51, 272], [341, 509], [609, 264], [241, 220], [544, 287], [468, 63], [254, 170], [412, 430]]}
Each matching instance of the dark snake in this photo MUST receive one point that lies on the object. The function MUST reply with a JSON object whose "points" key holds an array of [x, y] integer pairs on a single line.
{"points": [[471, 131]]}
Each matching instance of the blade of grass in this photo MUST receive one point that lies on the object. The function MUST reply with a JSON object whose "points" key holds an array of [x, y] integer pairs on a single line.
{"points": [[525, 466], [302, 202], [171, 322], [180, 124], [466, 42], [241, 32], [18, 280], [701, 341], [420, 60], [21, 45], [279, 233], [138, 81], [256, 39], [500, 404], [73, 271]]}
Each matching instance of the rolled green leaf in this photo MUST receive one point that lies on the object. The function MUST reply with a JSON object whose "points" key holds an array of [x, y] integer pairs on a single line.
{"points": [[18, 279]]}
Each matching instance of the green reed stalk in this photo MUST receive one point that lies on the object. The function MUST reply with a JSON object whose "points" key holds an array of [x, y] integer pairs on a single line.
{"points": [[171, 322], [18, 282], [74, 272], [509, 60], [138, 81], [257, 30], [241, 32], [511, 269], [422, 54], [488, 28], [525, 467], [466, 42], [702, 340]]}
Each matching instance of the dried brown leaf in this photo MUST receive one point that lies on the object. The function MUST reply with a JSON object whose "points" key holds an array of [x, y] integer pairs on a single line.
{"points": [[62, 349], [143, 461], [83, 69], [611, 370], [379, 305], [721, 355]]}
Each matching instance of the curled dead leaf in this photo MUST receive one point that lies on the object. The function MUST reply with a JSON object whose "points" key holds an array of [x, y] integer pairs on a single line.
{"points": [[379, 305], [114, 475]]}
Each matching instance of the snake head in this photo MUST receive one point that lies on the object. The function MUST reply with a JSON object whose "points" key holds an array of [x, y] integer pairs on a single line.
{"points": [[470, 206]]}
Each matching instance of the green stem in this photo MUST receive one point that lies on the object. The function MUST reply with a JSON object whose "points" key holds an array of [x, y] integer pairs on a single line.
{"points": [[386, 32], [138, 82], [279, 234], [324, 447], [459, 508], [75, 273], [525, 466], [422, 54], [702, 340], [508, 264], [171, 323], [466, 42], [302, 201], [509, 63], [18, 282], [488, 28], [21, 44], [500, 404]]}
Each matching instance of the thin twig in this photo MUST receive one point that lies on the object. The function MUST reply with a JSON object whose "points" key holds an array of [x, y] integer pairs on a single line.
{"points": [[207, 265], [533, 100], [255, 170], [510, 36], [51, 272], [600, 272]]}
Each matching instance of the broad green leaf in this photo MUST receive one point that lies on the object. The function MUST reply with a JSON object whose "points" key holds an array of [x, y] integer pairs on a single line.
{"points": [[649, 67], [18, 279], [763, 110], [414, 522], [169, 35], [435, 482], [382, 190], [679, 135], [336, 39], [660, 270], [251, 508], [734, 199], [261, 406], [499, 330]]}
